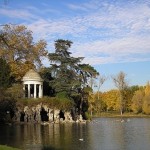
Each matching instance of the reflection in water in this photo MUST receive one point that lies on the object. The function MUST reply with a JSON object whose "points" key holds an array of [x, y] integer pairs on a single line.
{"points": [[100, 134]]}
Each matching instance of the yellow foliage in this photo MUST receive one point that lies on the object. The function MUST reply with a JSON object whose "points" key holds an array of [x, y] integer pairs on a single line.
{"points": [[112, 99], [147, 89], [19, 50], [137, 101], [146, 99], [146, 104]]}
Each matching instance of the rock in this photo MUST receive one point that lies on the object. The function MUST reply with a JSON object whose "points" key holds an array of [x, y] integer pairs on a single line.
{"points": [[33, 114], [68, 117]]}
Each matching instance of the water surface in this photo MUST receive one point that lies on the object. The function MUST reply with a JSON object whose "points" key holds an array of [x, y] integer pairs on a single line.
{"points": [[100, 134]]}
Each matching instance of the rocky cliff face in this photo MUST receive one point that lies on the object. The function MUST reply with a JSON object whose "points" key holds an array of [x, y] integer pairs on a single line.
{"points": [[42, 113]]}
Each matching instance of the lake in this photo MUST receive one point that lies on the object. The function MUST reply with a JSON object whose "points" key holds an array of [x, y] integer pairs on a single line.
{"points": [[100, 134]]}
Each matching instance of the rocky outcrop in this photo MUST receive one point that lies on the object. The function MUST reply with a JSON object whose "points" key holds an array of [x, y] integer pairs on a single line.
{"points": [[43, 113]]}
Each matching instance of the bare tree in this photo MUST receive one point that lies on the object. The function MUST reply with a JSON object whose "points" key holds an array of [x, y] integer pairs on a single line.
{"points": [[101, 81], [121, 83]]}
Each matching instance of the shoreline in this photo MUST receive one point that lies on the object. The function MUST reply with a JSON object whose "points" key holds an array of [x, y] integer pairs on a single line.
{"points": [[117, 115]]}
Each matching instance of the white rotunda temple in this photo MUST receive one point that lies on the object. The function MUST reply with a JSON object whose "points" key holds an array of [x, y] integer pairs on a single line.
{"points": [[32, 85]]}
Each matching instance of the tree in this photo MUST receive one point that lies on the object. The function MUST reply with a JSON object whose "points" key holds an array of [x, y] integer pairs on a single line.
{"points": [[70, 77], [47, 77], [147, 89], [63, 67], [19, 50], [137, 101], [15, 91], [95, 102], [146, 104], [121, 83], [101, 80], [5, 78], [128, 95], [68, 72], [146, 99], [111, 99]]}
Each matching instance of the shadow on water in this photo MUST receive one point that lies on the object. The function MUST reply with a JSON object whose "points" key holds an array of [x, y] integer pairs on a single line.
{"points": [[50, 148]]}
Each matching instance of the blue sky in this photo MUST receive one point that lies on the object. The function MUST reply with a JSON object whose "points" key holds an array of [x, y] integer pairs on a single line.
{"points": [[112, 35]]}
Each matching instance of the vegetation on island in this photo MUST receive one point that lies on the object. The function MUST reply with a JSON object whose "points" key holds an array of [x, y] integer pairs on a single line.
{"points": [[65, 80], [68, 83]]}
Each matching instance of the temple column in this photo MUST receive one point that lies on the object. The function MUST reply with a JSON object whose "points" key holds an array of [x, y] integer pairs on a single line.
{"points": [[39, 90], [29, 95], [34, 90], [24, 90]]}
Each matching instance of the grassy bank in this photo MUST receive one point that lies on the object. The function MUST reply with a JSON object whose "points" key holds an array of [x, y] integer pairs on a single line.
{"points": [[116, 114], [4, 147]]}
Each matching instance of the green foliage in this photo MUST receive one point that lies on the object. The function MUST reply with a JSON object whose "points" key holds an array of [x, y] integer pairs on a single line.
{"points": [[7, 107], [52, 102], [15, 91], [87, 89], [62, 95], [68, 72], [88, 116], [128, 96], [5, 78], [4, 147], [63, 67], [70, 77], [47, 77]]}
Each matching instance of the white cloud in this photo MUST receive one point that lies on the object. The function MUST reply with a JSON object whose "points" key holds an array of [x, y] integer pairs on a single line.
{"points": [[18, 13], [77, 7], [104, 33], [129, 49]]}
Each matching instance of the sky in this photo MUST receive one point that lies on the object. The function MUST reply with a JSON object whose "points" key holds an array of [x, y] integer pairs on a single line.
{"points": [[112, 35]]}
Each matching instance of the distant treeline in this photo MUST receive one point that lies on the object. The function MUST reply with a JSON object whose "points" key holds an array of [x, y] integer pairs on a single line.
{"points": [[135, 99]]}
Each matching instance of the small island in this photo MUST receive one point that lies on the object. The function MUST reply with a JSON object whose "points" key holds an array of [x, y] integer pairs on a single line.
{"points": [[33, 93], [62, 92]]}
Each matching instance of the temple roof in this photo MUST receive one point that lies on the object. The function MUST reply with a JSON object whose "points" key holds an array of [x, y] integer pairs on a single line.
{"points": [[32, 75]]}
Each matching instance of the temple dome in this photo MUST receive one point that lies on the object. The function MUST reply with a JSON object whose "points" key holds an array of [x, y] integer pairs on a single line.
{"points": [[32, 75]]}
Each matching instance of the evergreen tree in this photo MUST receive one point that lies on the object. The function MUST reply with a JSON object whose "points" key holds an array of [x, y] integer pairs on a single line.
{"points": [[70, 75], [68, 72]]}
